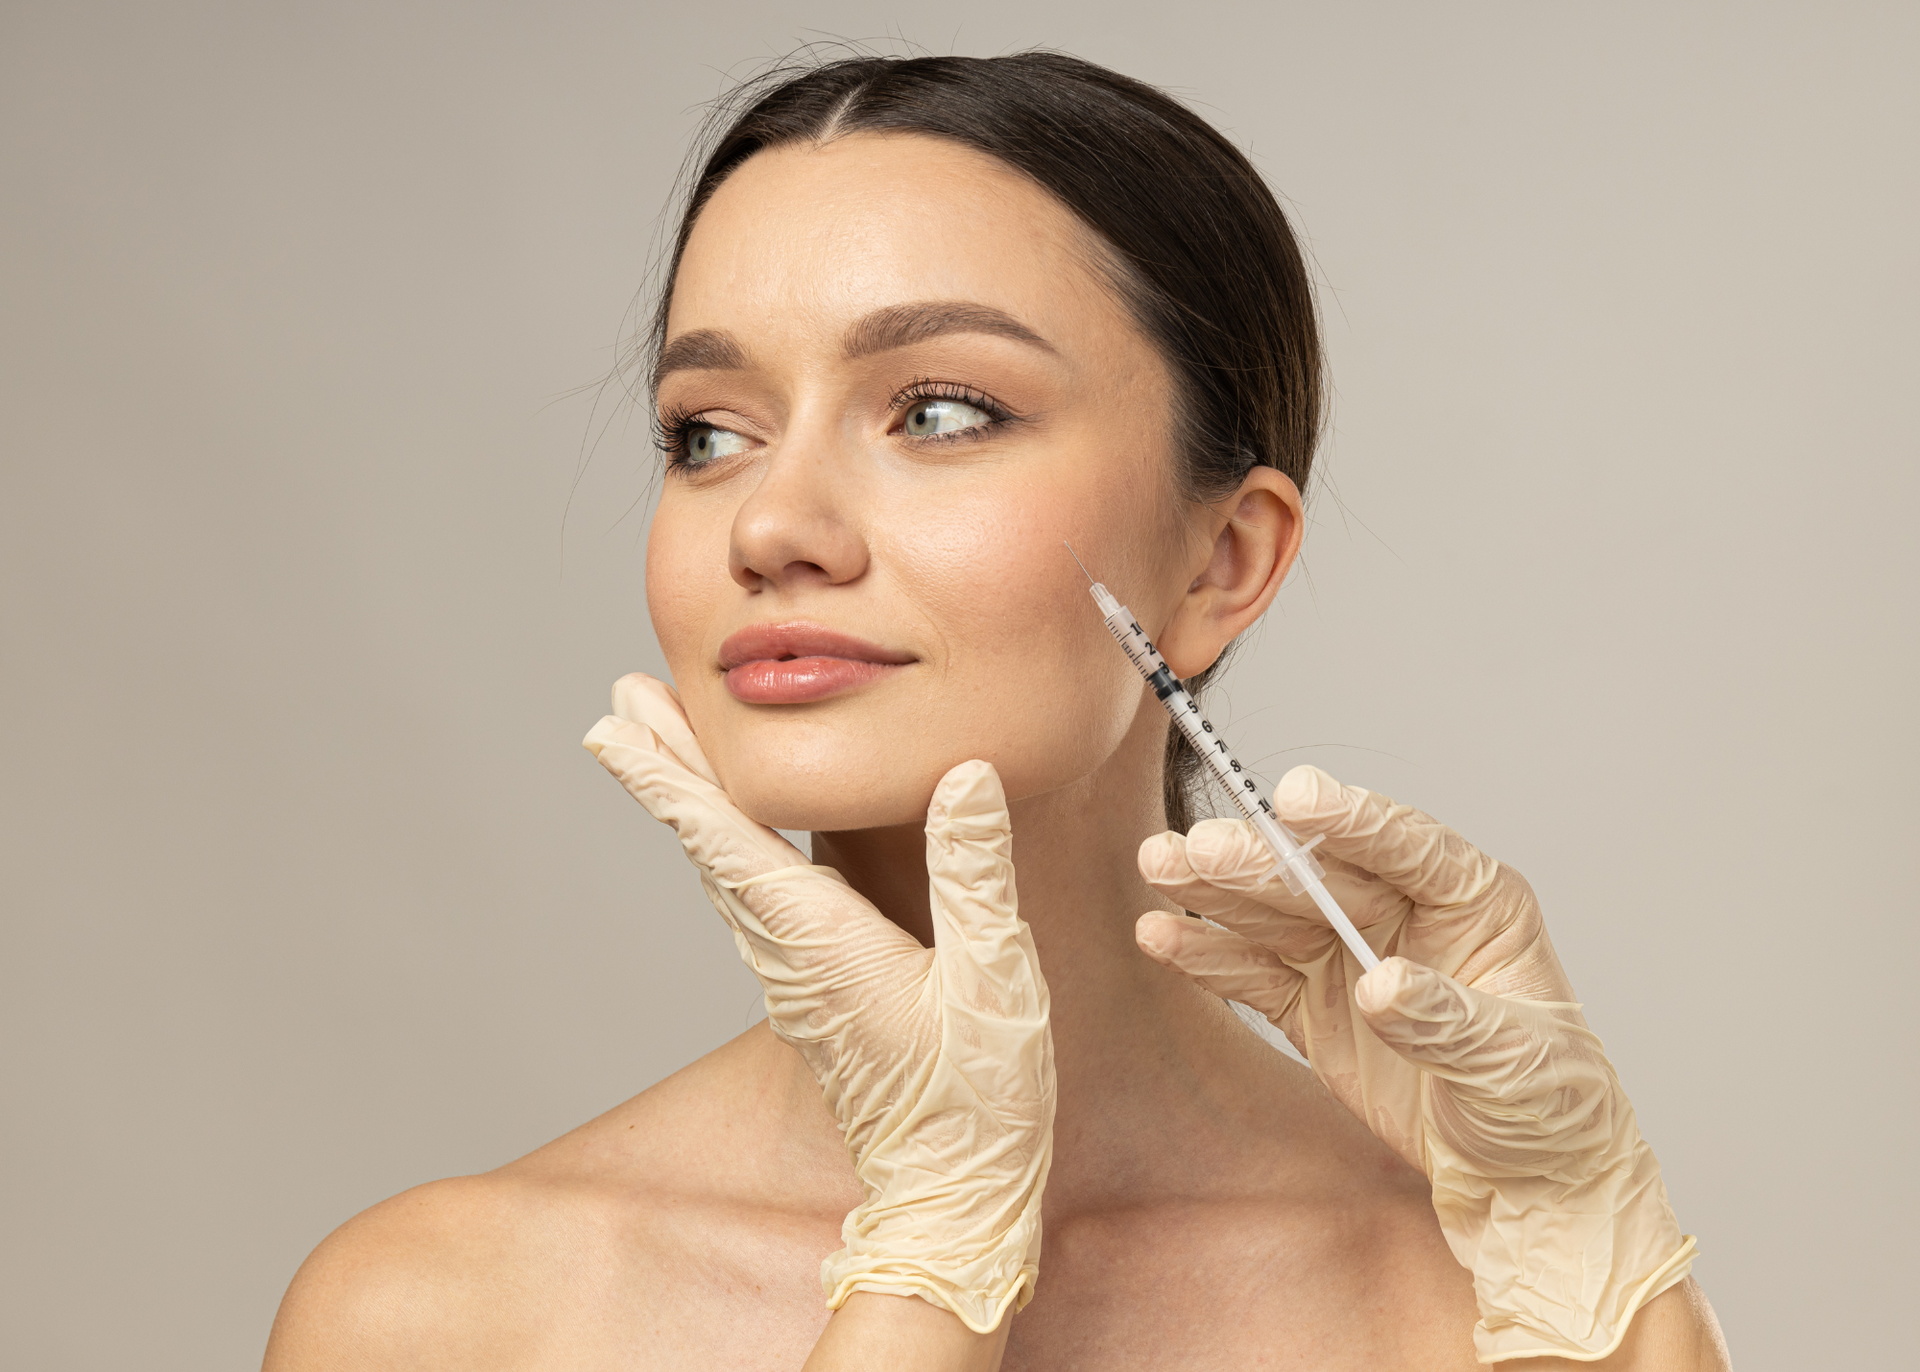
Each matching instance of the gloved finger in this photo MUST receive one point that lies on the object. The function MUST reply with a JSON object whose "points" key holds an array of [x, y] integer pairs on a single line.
{"points": [[1223, 871], [650, 701], [1164, 865], [990, 973], [1519, 1086], [1413, 852], [1492, 1045], [1232, 967], [1230, 854], [800, 924], [716, 835]]}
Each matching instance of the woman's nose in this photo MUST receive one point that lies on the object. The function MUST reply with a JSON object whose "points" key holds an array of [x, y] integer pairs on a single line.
{"points": [[798, 525]]}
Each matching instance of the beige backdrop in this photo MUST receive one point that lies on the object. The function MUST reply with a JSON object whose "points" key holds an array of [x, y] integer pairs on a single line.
{"points": [[311, 894]]}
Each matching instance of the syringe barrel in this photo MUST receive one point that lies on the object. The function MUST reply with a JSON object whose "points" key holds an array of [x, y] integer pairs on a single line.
{"points": [[1298, 869], [1185, 710]]}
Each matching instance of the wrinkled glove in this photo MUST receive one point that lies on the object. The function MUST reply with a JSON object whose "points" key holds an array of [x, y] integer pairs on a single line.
{"points": [[1464, 1051], [938, 1063]]}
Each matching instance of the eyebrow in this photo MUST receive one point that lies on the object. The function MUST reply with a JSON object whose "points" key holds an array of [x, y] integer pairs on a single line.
{"points": [[703, 350], [898, 326], [894, 326]]}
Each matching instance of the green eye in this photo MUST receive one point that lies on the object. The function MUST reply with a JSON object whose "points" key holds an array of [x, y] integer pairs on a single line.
{"points": [[705, 443], [929, 417]]}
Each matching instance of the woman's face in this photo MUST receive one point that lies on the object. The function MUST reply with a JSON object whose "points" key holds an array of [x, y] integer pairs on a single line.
{"points": [[896, 382]]}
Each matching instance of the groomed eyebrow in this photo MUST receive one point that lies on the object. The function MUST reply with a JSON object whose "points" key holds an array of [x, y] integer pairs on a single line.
{"points": [[895, 326], [703, 350], [898, 326]]}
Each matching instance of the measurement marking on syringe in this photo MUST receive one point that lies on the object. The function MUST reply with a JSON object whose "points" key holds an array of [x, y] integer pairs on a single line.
{"points": [[1298, 869]]}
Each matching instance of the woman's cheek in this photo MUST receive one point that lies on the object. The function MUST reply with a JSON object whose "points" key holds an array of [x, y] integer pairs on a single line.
{"points": [[1059, 718], [1032, 681], [680, 600]]}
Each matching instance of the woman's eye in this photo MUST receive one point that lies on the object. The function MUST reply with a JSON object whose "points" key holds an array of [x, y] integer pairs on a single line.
{"points": [[705, 443], [928, 417]]}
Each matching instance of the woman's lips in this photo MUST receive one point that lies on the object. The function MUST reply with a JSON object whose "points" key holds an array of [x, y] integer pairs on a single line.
{"points": [[790, 664], [800, 679]]}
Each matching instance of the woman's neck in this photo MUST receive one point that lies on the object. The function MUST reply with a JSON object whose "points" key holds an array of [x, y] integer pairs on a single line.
{"points": [[1150, 1068]]}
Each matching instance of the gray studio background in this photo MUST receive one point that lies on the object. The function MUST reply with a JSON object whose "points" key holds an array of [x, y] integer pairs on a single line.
{"points": [[310, 893]]}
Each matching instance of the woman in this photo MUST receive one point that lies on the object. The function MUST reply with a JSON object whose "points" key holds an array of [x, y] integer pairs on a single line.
{"points": [[926, 321]]}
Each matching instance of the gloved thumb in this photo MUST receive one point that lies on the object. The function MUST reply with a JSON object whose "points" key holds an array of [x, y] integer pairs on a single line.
{"points": [[989, 972], [720, 840], [645, 700], [1484, 1043], [1524, 1088]]}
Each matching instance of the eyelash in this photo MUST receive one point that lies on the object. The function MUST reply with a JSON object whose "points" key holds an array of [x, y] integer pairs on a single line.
{"points": [[672, 425], [928, 389], [670, 429]]}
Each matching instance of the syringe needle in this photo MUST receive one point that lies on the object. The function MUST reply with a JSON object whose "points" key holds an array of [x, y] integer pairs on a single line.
{"points": [[1076, 557]]}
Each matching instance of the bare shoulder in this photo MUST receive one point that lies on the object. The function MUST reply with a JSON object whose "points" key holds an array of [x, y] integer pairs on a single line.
{"points": [[415, 1281], [628, 1235]]}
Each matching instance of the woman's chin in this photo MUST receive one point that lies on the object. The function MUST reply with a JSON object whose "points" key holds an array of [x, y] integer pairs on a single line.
{"points": [[841, 782], [830, 780], [806, 793], [813, 812]]}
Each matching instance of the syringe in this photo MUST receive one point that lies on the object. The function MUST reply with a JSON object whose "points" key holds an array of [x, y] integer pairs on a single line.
{"points": [[1298, 868]]}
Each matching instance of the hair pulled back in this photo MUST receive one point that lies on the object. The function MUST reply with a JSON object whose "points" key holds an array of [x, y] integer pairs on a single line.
{"points": [[1199, 249]]}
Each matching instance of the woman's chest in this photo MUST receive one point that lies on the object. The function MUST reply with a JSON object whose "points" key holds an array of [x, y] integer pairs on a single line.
{"points": [[1251, 1286], [1169, 1288]]}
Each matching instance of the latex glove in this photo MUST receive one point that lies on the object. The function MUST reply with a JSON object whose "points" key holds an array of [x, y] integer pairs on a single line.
{"points": [[938, 1063], [1463, 1050]]}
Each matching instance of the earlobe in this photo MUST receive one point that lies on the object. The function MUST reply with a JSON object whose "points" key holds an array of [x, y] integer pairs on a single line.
{"points": [[1255, 535]]}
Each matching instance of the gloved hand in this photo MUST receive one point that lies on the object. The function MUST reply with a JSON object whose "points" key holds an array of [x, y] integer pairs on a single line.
{"points": [[938, 1063], [1463, 1050]]}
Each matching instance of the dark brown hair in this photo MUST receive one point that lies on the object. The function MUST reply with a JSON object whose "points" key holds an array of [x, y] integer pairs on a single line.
{"points": [[1199, 249]]}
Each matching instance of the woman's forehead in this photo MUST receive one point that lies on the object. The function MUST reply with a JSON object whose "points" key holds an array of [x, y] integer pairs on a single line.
{"points": [[815, 237]]}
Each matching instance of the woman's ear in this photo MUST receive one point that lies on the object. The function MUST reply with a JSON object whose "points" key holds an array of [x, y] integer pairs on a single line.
{"points": [[1255, 535]]}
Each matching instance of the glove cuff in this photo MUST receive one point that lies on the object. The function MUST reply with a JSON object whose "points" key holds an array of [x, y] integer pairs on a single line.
{"points": [[1525, 1336], [978, 1286], [1561, 1264]]}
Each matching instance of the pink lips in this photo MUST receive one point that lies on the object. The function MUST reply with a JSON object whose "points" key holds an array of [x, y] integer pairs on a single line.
{"points": [[792, 663]]}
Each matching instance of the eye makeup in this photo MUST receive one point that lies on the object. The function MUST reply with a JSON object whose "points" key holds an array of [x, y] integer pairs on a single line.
{"points": [[689, 442]]}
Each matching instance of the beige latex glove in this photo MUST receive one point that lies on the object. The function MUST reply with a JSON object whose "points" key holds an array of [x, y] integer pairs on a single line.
{"points": [[1463, 1050], [938, 1063]]}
